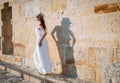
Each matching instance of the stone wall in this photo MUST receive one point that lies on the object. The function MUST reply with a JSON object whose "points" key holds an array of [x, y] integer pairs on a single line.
{"points": [[111, 73], [83, 36]]}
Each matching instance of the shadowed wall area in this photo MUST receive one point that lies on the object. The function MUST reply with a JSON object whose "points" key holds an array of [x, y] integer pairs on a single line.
{"points": [[6, 14], [65, 48]]}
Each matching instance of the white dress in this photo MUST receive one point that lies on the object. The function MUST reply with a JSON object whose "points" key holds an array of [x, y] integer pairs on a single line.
{"points": [[41, 56]]}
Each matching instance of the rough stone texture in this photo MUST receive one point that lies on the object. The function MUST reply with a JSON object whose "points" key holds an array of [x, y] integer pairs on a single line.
{"points": [[6, 16], [111, 73], [107, 8], [32, 75], [61, 6], [6, 77], [93, 27], [85, 40]]}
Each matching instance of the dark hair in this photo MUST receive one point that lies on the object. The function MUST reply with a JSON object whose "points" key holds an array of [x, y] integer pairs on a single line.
{"points": [[41, 19]]}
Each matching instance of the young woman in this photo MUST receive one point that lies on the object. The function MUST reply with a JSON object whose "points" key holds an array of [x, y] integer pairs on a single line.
{"points": [[41, 56]]}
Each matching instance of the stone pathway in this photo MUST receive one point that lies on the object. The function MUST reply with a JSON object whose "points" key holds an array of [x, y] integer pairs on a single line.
{"points": [[6, 77]]}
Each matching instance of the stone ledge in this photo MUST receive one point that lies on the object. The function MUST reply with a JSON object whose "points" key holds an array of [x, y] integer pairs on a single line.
{"points": [[6, 77], [52, 78]]}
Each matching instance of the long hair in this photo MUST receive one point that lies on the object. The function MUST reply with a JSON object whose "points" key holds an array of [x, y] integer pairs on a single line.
{"points": [[41, 19]]}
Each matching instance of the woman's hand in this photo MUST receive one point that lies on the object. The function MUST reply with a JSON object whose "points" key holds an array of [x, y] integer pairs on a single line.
{"points": [[40, 43]]}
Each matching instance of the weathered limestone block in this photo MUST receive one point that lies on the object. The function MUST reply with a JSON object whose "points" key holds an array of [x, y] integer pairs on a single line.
{"points": [[9, 59], [112, 23], [84, 41], [1, 6], [95, 3], [102, 56], [18, 2], [14, 72], [45, 6], [114, 55], [16, 11], [98, 41], [111, 73], [58, 5], [31, 20], [3, 1], [2, 57], [111, 43], [19, 49], [91, 57], [76, 27], [12, 2], [86, 73], [78, 8], [80, 55], [107, 40], [71, 8], [33, 80], [31, 9], [18, 32], [86, 8], [12, 59], [111, 1], [26, 8], [98, 57], [98, 75], [107, 8], [93, 25], [68, 8], [20, 19]]}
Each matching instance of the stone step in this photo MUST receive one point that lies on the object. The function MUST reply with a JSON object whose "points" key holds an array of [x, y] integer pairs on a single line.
{"points": [[25, 81], [28, 72], [6, 77], [31, 73], [3, 72]]}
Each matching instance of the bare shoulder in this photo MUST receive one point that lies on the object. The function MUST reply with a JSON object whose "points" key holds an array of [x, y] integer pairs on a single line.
{"points": [[42, 28]]}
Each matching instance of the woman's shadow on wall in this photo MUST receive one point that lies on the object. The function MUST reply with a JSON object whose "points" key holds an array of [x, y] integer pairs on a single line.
{"points": [[65, 41]]}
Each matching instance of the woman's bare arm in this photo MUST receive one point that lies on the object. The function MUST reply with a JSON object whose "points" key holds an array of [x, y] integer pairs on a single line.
{"points": [[45, 32]]}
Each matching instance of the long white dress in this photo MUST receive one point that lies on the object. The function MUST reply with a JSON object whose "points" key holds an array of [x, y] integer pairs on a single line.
{"points": [[41, 56]]}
